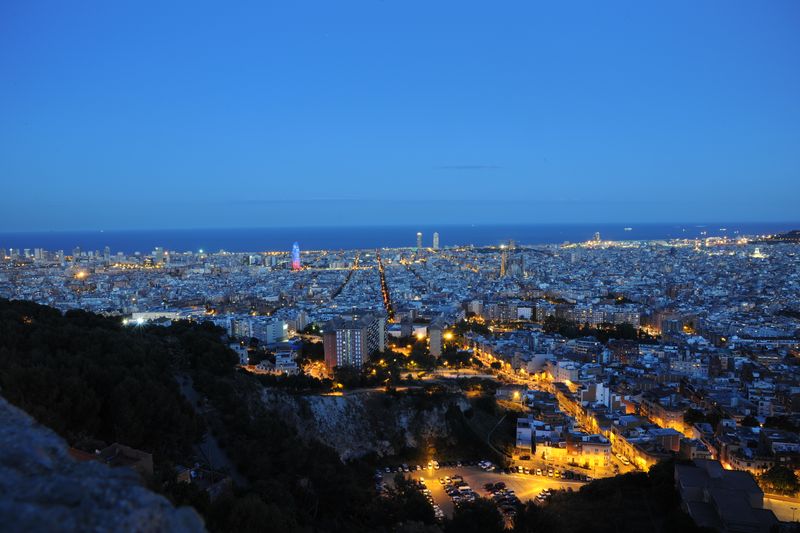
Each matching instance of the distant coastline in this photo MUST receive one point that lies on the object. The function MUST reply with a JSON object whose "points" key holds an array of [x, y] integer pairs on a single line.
{"points": [[334, 238]]}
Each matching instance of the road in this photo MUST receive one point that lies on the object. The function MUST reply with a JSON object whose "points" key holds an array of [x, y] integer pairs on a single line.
{"points": [[526, 486], [784, 509]]}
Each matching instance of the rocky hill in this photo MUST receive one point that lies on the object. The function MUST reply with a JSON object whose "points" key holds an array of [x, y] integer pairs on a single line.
{"points": [[363, 423], [42, 488]]}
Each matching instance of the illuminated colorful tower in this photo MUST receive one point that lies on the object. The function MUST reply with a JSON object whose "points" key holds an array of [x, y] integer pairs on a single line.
{"points": [[295, 256]]}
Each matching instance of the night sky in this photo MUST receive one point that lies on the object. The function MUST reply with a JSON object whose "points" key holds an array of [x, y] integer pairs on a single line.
{"points": [[121, 115]]}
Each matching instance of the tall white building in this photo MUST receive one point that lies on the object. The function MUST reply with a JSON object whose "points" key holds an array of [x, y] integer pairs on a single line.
{"points": [[436, 240]]}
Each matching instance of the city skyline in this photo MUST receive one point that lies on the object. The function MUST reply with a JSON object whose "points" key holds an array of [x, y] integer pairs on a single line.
{"points": [[525, 114], [371, 266], [344, 237]]}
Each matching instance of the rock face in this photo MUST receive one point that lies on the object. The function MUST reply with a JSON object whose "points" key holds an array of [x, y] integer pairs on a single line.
{"points": [[359, 424], [42, 488]]}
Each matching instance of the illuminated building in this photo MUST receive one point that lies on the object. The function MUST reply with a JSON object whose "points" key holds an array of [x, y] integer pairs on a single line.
{"points": [[160, 256], [435, 332], [351, 342], [264, 329], [419, 240], [436, 240], [295, 256]]}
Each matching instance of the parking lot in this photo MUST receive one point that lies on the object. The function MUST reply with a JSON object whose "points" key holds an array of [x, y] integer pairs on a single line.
{"points": [[525, 486]]}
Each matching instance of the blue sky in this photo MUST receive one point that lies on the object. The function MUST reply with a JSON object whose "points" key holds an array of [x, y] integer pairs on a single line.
{"points": [[167, 114]]}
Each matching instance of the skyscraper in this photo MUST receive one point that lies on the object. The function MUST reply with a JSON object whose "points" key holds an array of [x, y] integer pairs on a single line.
{"points": [[596, 236], [419, 241], [295, 256], [436, 240], [352, 342]]}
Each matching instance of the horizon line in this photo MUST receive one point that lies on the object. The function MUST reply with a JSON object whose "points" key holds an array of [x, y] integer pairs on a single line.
{"points": [[403, 225]]}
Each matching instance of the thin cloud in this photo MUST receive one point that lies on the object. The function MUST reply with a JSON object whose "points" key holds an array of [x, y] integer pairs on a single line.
{"points": [[467, 167], [300, 199]]}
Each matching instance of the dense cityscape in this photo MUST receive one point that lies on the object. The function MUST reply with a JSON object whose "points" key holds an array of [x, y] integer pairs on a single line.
{"points": [[400, 267], [600, 358]]}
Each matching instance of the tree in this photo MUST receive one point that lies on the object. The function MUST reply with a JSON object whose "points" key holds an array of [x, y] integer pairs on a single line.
{"points": [[455, 358], [780, 422], [410, 503], [250, 513], [421, 357], [532, 519], [693, 416], [780, 479], [417, 527], [313, 351], [749, 421], [480, 516], [348, 376], [462, 327]]}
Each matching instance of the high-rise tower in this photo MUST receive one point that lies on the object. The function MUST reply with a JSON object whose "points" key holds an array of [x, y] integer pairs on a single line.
{"points": [[419, 241], [436, 240], [295, 256]]}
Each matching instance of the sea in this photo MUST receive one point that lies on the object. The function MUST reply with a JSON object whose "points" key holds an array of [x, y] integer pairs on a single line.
{"points": [[366, 237]]}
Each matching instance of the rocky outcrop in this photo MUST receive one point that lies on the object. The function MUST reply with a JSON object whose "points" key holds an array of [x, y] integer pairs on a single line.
{"points": [[359, 424], [42, 488]]}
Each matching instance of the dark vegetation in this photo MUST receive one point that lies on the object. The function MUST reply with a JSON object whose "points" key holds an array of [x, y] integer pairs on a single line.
{"points": [[781, 422], [779, 480], [791, 313], [480, 516], [603, 333], [471, 326], [696, 416], [452, 357], [630, 503], [312, 351], [90, 379], [296, 383]]}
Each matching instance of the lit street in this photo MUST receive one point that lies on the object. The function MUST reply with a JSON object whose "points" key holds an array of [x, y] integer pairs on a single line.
{"points": [[785, 509]]}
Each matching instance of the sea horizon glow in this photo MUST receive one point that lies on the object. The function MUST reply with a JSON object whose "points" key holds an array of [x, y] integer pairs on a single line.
{"points": [[370, 237]]}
